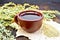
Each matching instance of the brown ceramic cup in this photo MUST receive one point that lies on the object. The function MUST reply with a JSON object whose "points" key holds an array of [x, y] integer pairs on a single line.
{"points": [[29, 25]]}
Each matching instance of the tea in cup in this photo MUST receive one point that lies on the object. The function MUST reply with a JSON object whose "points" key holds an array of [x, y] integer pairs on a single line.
{"points": [[29, 20]]}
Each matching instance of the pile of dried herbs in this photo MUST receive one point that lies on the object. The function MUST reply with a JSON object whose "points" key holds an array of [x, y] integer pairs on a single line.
{"points": [[5, 34]]}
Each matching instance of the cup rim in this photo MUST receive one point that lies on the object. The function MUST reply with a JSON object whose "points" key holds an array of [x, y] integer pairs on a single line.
{"points": [[30, 11]]}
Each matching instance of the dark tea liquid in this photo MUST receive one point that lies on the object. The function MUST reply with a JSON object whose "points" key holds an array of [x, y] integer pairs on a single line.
{"points": [[30, 16]]}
